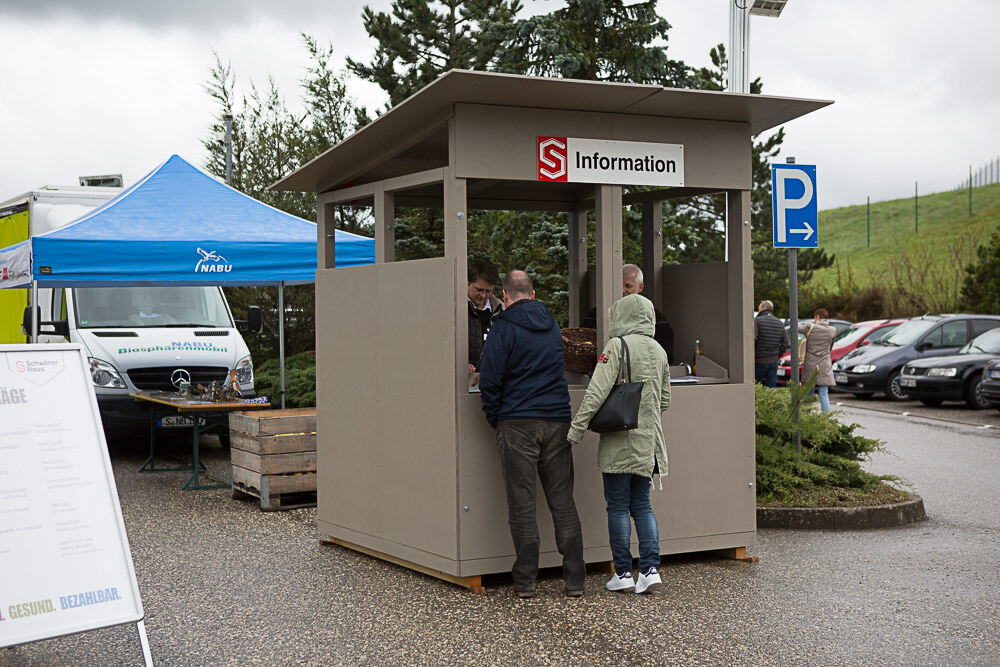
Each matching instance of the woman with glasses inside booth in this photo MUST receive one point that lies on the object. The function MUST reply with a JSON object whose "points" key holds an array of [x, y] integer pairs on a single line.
{"points": [[483, 308]]}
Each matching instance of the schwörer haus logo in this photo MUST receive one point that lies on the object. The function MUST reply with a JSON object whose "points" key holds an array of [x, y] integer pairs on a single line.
{"points": [[575, 160], [212, 262]]}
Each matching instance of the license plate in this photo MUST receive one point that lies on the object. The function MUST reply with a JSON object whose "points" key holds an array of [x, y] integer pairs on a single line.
{"points": [[995, 373], [841, 378], [907, 382], [175, 421], [782, 372]]}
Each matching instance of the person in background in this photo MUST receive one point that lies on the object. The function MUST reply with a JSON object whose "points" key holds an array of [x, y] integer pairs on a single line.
{"points": [[526, 399], [483, 307], [632, 283], [770, 340], [629, 459], [819, 341]]}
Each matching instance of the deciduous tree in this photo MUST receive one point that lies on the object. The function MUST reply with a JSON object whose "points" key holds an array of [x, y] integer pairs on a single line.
{"points": [[270, 141]]}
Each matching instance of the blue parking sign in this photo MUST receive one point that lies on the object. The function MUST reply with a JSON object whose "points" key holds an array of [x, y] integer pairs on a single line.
{"points": [[793, 202]]}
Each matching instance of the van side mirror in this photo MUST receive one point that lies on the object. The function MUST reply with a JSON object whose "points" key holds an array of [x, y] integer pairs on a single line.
{"points": [[58, 328], [26, 320], [255, 321]]}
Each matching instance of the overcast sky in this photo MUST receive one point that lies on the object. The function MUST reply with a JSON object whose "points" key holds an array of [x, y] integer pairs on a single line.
{"points": [[107, 86]]}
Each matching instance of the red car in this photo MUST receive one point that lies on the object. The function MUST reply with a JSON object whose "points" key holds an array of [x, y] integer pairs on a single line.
{"points": [[855, 336]]}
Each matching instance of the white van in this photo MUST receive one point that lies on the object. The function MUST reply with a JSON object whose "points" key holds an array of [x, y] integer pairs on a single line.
{"points": [[148, 338]]}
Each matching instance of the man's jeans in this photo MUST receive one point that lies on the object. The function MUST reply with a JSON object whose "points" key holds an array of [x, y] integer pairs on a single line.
{"points": [[766, 374], [629, 494], [530, 448]]}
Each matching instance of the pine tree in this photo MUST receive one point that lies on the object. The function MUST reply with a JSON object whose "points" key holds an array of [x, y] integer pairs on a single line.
{"points": [[705, 214], [599, 40], [421, 39]]}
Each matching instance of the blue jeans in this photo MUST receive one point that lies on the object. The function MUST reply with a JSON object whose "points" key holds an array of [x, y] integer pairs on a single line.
{"points": [[824, 396], [766, 374], [629, 494]]}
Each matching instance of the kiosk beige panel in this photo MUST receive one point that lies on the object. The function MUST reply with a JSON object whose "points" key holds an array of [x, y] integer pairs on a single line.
{"points": [[500, 142], [696, 303], [707, 494], [484, 529], [385, 410]]}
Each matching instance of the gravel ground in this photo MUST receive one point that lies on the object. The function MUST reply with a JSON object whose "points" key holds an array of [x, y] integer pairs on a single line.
{"points": [[224, 583]]}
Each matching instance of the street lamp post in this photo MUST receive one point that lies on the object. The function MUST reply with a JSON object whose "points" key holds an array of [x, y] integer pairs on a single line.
{"points": [[739, 38]]}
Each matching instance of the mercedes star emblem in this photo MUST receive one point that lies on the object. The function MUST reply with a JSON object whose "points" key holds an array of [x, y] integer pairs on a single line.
{"points": [[180, 376]]}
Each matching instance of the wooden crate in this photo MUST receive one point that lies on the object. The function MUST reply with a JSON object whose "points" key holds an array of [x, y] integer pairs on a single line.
{"points": [[274, 457]]}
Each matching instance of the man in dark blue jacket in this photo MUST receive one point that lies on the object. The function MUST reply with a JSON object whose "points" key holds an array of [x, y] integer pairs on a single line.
{"points": [[526, 399]]}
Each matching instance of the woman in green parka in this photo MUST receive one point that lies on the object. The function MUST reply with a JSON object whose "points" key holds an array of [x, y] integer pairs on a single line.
{"points": [[629, 459]]}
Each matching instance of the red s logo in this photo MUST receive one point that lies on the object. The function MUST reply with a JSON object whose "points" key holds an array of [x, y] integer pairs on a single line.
{"points": [[20, 367], [552, 159]]}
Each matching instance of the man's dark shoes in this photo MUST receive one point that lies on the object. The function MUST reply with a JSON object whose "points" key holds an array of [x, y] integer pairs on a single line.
{"points": [[524, 595], [574, 592]]}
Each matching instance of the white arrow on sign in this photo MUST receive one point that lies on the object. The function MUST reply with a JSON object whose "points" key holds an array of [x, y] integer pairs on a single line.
{"points": [[808, 231]]}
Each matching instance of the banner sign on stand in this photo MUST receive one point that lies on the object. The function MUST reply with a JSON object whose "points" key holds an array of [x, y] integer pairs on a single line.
{"points": [[793, 202], [65, 560]]}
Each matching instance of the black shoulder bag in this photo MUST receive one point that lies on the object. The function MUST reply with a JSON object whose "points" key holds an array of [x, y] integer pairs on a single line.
{"points": [[620, 410]]}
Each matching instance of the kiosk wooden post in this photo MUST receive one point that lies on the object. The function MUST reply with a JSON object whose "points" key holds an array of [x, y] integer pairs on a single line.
{"points": [[407, 465]]}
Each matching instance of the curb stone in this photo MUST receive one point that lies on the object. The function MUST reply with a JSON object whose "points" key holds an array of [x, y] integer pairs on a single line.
{"points": [[843, 518]]}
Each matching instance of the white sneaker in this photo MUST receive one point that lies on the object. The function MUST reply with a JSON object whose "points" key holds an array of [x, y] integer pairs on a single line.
{"points": [[647, 580], [620, 582]]}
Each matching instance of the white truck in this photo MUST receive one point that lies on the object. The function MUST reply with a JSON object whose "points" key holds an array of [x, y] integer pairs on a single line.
{"points": [[136, 337]]}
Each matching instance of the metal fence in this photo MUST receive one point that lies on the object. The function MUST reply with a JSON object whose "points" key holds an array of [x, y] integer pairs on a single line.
{"points": [[985, 175]]}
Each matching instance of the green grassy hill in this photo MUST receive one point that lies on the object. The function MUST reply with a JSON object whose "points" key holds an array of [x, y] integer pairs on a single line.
{"points": [[930, 261]]}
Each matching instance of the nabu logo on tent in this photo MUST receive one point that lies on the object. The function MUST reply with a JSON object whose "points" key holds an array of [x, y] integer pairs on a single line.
{"points": [[212, 262]]}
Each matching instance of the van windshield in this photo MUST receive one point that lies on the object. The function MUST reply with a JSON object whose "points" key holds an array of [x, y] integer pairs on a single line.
{"points": [[151, 307]]}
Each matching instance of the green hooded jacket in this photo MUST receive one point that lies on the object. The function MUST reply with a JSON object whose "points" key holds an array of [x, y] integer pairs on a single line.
{"points": [[632, 451]]}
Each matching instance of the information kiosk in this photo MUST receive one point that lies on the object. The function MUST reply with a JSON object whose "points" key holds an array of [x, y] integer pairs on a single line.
{"points": [[408, 467]]}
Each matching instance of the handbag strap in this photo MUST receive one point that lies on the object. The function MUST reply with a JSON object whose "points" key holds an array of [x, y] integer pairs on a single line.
{"points": [[625, 360]]}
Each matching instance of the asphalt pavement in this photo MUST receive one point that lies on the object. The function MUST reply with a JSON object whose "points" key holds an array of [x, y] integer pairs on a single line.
{"points": [[224, 583], [953, 411]]}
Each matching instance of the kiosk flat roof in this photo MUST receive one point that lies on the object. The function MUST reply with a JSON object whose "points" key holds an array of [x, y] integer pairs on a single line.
{"points": [[412, 136]]}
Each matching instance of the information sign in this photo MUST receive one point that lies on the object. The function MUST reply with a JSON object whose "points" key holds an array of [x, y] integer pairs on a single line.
{"points": [[65, 561], [793, 202], [577, 160]]}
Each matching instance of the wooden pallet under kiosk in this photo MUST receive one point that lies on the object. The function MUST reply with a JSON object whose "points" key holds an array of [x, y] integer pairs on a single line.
{"points": [[274, 457]]}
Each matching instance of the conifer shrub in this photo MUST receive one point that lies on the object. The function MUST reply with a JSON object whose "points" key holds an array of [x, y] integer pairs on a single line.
{"points": [[300, 381], [832, 452]]}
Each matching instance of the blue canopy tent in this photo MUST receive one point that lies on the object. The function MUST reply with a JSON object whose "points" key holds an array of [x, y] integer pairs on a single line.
{"points": [[180, 226]]}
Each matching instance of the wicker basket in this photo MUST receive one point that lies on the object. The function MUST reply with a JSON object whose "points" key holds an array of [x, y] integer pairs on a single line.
{"points": [[580, 350]]}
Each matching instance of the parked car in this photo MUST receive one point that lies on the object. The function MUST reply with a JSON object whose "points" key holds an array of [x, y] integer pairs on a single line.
{"points": [[991, 383], [850, 338], [839, 325], [876, 368], [954, 377]]}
